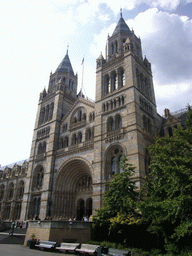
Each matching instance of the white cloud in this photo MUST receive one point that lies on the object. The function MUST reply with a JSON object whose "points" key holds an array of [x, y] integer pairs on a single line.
{"points": [[100, 40], [34, 39], [87, 9], [103, 17], [167, 41]]}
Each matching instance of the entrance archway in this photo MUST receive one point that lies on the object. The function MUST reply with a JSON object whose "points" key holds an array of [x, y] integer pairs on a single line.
{"points": [[80, 209], [89, 204], [72, 187]]}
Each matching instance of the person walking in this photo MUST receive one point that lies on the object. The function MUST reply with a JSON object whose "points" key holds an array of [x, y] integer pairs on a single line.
{"points": [[12, 228]]}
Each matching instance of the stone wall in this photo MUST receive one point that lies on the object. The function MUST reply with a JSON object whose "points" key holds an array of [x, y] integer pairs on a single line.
{"points": [[59, 231]]}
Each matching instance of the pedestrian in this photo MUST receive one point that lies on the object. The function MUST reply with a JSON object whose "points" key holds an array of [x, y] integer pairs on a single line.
{"points": [[12, 228]]}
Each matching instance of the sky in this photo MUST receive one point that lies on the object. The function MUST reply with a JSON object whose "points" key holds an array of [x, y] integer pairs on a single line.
{"points": [[34, 39]]}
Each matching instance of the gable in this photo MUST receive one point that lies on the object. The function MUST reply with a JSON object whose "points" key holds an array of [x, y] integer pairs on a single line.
{"points": [[79, 103], [171, 120]]}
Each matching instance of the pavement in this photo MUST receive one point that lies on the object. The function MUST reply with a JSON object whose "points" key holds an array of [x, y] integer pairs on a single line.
{"points": [[12, 245], [20, 250]]}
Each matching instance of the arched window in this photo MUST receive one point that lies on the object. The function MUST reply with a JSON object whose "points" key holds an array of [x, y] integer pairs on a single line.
{"points": [[144, 122], [41, 117], [11, 191], [114, 103], [38, 178], [2, 190], [64, 127], [18, 211], [44, 147], [121, 78], [90, 117], [114, 81], [39, 148], [113, 165], [21, 189], [138, 79], [79, 139], [46, 113], [51, 111], [103, 107], [8, 209], [170, 131], [120, 167], [110, 124], [88, 134], [116, 47], [38, 206], [146, 85], [118, 122], [61, 143], [106, 84], [74, 139], [66, 142], [115, 156], [34, 206], [80, 115], [122, 100], [119, 99], [142, 82], [112, 48]]}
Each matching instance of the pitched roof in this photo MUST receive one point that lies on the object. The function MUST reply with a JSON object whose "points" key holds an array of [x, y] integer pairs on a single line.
{"points": [[121, 27], [65, 65]]}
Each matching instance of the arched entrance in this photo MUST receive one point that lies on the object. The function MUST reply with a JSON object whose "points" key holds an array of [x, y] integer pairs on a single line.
{"points": [[89, 204], [80, 209], [72, 187]]}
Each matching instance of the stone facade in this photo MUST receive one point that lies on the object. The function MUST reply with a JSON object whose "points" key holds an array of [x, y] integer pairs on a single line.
{"points": [[77, 143]]}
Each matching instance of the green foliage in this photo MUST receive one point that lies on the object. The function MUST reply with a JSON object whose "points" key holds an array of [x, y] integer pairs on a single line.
{"points": [[120, 201], [167, 193]]}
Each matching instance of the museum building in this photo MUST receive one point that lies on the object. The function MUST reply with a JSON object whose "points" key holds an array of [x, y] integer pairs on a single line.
{"points": [[78, 143]]}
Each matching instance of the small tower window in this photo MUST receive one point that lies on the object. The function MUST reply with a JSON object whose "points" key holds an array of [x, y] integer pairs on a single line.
{"points": [[106, 84], [170, 131]]}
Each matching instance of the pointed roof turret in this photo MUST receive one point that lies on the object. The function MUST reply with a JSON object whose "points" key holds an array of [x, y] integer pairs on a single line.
{"points": [[65, 65], [121, 26], [100, 57]]}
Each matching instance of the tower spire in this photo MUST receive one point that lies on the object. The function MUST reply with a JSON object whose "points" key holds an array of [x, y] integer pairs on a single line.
{"points": [[65, 65], [121, 12]]}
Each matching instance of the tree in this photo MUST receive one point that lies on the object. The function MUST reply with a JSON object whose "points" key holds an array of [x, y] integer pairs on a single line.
{"points": [[120, 201], [167, 193]]}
